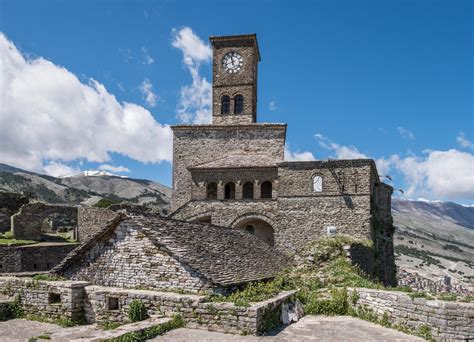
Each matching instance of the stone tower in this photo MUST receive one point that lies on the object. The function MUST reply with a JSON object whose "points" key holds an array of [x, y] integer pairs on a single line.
{"points": [[234, 72]]}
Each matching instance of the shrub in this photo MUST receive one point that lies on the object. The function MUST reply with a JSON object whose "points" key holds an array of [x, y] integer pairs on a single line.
{"points": [[137, 311], [104, 203], [48, 277]]}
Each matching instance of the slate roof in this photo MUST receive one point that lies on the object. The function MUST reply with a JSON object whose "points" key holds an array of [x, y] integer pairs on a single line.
{"points": [[237, 161], [225, 256]]}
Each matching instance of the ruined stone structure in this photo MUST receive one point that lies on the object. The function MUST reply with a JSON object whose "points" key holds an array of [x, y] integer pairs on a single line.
{"points": [[152, 252], [36, 218], [10, 203], [232, 172]]}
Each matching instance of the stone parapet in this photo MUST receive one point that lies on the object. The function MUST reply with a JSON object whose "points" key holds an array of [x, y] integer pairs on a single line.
{"points": [[446, 320]]}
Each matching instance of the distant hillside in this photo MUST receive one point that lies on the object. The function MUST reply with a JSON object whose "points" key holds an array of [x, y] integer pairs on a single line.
{"points": [[84, 188], [435, 239]]}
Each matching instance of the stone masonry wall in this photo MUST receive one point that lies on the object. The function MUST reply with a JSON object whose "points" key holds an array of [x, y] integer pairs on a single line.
{"points": [[33, 258], [91, 220], [127, 258], [199, 314], [10, 203], [28, 222], [194, 145], [448, 321], [58, 299], [77, 300]]}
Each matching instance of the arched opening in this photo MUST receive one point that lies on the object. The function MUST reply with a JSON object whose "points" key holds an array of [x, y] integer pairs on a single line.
{"points": [[317, 184], [247, 190], [229, 191], [250, 229], [261, 229], [225, 104], [266, 190], [211, 191], [238, 104], [204, 219]]}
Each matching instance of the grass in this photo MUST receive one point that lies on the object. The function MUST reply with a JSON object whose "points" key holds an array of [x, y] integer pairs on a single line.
{"points": [[4, 241], [64, 322], [109, 325], [149, 333], [48, 277]]}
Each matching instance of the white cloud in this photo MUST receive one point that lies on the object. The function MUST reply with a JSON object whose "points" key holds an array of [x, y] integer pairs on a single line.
{"points": [[464, 142], [272, 106], [147, 59], [107, 167], [58, 169], [341, 151], [447, 175], [406, 133], [195, 99], [298, 156], [146, 88], [48, 116]]}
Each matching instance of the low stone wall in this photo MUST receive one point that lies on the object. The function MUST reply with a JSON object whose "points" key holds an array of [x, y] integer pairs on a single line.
{"points": [[97, 304], [447, 321], [33, 258], [51, 299], [199, 314]]}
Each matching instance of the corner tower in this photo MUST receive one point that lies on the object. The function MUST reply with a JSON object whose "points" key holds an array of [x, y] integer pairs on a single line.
{"points": [[234, 74]]}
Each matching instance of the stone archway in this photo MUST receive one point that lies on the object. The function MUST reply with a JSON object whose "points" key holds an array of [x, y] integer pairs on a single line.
{"points": [[262, 229]]}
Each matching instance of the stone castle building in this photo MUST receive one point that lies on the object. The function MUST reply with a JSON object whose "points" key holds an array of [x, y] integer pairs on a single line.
{"points": [[232, 172]]}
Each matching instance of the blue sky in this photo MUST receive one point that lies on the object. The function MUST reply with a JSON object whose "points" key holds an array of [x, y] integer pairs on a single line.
{"points": [[389, 80]]}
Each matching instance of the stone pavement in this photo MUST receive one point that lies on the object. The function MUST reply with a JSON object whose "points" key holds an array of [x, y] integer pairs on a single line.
{"points": [[23, 330], [310, 328]]}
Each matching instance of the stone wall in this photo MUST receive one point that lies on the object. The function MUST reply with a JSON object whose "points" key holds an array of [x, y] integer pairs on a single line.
{"points": [[58, 299], [199, 314], [91, 220], [76, 300], [127, 258], [27, 224], [194, 145], [447, 321], [33, 258], [10, 203]]}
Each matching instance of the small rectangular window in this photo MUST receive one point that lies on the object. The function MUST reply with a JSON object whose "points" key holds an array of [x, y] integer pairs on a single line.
{"points": [[112, 303], [54, 298]]}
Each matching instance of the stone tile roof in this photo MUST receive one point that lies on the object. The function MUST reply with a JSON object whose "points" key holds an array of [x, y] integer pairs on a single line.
{"points": [[237, 161], [225, 256]]}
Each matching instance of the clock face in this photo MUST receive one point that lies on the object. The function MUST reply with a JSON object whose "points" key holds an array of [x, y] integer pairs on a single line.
{"points": [[232, 62]]}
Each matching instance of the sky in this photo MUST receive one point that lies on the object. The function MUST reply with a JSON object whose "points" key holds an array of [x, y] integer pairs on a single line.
{"points": [[94, 85]]}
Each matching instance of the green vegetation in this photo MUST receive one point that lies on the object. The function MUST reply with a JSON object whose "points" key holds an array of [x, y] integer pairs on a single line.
{"points": [[448, 296], [48, 277], [40, 337], [105, 203], [8, 238], [11, 310], [420, 295], [64, 322], [109, 325], [329, 260], [146, 334], [137, 311]]}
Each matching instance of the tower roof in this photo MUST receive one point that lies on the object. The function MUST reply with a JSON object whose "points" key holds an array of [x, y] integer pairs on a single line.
{"points": [[242, 39]]}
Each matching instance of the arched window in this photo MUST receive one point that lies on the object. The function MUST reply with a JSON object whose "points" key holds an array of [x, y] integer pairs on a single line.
{"points": [[211, 191], [247, 190], [317, 184], [266, 190], [225, 104], [229, 191], [238, 104]]}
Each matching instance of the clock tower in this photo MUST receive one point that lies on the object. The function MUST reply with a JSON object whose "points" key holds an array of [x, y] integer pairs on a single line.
{"points": [[234, 74]]}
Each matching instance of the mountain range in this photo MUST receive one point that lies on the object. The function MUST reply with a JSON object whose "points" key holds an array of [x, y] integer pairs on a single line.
{"points": [[85, 188]]}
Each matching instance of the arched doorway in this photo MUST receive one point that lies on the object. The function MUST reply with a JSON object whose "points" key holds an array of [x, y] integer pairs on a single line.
{"points": [[258, 227]]}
